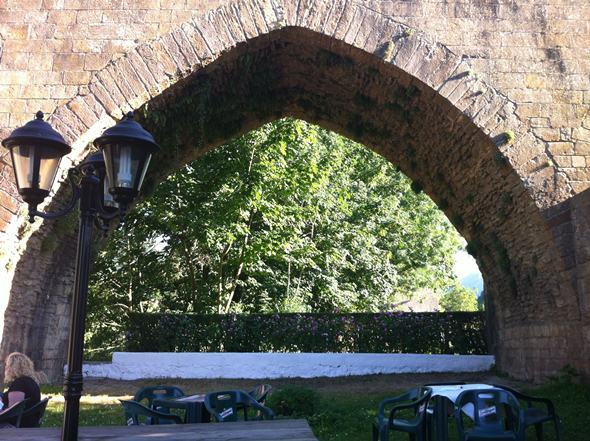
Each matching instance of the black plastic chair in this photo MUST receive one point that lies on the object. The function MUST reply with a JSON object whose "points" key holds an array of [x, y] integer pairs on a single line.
{"points": [[135, 410], [414, 400], [536, 416], [35, 414], [13, 414], [496, 415], [224, 406]]}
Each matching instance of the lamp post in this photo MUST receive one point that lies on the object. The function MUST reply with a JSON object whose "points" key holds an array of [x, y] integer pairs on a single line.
{"points": [[36, 150]]}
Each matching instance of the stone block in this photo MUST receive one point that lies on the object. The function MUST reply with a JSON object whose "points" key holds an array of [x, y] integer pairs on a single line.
{"points": [[547, 134], [94, 62], [197, 42], [81, 110], [182, 64], [185, 48], [578, 161], [581, 134], [113, 91], [144, 73], [562, 161], [68, 62], [76, 78], [124, 66], [561, 148]]}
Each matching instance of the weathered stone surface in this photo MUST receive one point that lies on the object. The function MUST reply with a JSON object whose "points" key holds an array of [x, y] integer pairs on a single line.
{"points": [[362, 68]]}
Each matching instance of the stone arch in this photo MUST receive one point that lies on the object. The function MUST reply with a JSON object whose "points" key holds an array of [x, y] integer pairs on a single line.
{"points": [[350, 69]]}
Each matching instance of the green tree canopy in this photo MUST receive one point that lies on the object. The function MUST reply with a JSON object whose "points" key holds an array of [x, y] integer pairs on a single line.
{"points": [[289, 217], [459, 298]]}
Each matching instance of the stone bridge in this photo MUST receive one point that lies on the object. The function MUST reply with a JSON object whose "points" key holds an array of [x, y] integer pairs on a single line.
{"points": [[483, 102]]}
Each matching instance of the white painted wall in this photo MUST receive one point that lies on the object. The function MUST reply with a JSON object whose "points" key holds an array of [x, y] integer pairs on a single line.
{"points": [[137, 365]]}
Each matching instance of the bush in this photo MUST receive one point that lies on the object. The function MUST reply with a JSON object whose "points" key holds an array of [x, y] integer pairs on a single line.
{"points": [[294, 401], [429, 333]]}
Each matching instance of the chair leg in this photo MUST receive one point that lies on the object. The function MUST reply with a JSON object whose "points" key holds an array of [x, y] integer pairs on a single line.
{"points": [[375, 433], [539, 430], [558, 429]]}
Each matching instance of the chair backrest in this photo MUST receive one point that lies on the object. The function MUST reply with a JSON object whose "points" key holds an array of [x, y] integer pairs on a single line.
{"points": [[35, 413], [13, 414], [135, 410], [415, 399], [493, 411], [151, 393], [224, 405], [260, 392]]}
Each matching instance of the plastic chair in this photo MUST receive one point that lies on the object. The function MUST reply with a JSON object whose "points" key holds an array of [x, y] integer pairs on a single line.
{"points": [[35, 414], [495, 415], [414, 400], [133, 411], [536, 416], [13, 414], [151, 393], [260, 392], [224, 406]]}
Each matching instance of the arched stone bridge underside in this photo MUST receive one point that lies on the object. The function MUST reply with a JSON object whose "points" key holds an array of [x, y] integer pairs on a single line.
{"points": [[374, 80]]}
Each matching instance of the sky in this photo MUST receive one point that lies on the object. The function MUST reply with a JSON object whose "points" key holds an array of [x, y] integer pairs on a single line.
{"points": [[467, 271]]}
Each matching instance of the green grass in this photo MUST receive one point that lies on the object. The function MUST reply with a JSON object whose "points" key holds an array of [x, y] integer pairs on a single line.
{"points": [[345, 416]]}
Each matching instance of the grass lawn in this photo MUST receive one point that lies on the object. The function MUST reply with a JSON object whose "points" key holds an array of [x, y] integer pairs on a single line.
{"points": [[346, 407]]}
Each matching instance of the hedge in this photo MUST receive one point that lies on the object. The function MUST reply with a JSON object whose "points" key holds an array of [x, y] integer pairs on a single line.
{"points": [[428, 332]]}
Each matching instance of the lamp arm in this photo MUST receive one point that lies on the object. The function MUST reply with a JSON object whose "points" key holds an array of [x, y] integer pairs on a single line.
{"points": [[71, 204]]}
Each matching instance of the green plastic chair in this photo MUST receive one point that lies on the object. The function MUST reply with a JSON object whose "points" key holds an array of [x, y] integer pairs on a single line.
{"points": [[492, 414], [135, 410], [37, 411], [415, 400], [536, 416], [151, 393], [13, 414], [224, 406]]}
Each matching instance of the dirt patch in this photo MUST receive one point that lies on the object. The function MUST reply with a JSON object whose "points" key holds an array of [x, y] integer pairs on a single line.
{"points": [[367, 384]]}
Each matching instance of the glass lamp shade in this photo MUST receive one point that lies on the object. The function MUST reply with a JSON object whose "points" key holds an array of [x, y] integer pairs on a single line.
{"points": [[96, 160], [127, 149], [108, 199], [36, 151]]}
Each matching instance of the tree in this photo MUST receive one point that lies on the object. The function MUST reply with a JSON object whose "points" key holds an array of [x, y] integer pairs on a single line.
{"points": [[289, 217], [459, 298]]}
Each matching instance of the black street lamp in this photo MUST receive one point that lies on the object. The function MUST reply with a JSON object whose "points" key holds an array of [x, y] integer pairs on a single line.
{"points": [[36, 150]]}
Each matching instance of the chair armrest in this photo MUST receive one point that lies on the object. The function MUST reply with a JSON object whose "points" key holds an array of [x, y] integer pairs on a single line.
{"points": [[382, 404], [267, 411], [14, 411], [397, 408], [530, 399]]}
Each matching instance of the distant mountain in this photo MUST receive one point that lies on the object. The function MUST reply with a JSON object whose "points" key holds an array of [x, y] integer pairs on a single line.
{"points": [[473, 280]]}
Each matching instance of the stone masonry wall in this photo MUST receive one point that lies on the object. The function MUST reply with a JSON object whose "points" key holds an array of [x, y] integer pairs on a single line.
{"points": [[536, 53]]}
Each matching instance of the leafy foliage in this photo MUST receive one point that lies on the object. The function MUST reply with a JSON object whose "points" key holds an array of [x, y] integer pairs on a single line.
{"points": [[427, 332], [459, 298], [289, 217]]}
